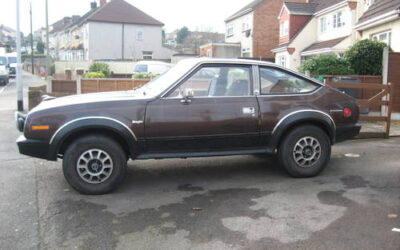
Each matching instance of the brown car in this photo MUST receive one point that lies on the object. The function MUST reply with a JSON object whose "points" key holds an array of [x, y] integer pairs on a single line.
{"points": [[199, 108]]}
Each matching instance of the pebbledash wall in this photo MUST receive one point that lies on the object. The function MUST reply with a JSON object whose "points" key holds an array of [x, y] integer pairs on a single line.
{"points": [[120, 41]]}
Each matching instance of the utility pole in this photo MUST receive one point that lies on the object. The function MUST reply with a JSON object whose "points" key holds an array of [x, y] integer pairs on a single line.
{"points": [[47, 40], [32, 60], [20, 97]]}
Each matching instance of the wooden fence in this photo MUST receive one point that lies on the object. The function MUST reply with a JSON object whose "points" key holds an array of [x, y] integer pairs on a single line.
{"points": [[383, 97], [105, 85], [82, 86]]}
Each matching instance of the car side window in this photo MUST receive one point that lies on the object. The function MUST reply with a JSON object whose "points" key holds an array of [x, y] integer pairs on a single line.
{"points": [[276, 81], [213, 81]]}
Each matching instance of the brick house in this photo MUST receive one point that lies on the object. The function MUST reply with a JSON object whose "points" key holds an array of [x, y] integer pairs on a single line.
{"points": [[314, 28], [256, 28]]}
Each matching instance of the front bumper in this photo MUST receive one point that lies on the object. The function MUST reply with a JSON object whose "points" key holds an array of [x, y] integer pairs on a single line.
{"points": [[4, 79], [34, 148], [347, 132]]}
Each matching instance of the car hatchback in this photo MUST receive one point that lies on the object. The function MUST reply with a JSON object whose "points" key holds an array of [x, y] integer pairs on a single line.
{"points": [[199, 108]]}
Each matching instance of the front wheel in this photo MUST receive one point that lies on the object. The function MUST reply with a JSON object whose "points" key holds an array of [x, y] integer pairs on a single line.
{"points": [[94, 164], [305, 151]]}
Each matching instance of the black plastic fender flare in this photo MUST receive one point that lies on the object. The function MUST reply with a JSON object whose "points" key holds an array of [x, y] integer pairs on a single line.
{"points": [[87, 123], [301, 117]]}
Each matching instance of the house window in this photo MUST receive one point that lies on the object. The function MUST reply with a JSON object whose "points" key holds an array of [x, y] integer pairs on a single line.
{"points": [[209, 53], [284, 29], [139, 35], [338, 20], [282, 61], [229, 30], [385, 37], [246, 24], [147, 55], [322, 22]]}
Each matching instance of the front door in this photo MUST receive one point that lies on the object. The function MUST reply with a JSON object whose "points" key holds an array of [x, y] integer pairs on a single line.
{"points": [[222, 115]]}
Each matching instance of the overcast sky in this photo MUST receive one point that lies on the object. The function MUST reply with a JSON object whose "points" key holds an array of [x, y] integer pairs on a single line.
{"points": [[196, 14]]}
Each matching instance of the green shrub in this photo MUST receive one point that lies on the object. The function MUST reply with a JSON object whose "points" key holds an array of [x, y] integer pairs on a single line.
{"points": [[144, 76], [94, 75], [100, 67], [326, 65], [365, 57]]}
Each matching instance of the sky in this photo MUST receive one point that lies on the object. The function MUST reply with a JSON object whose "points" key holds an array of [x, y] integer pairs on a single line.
{"points": [[195, 14]]}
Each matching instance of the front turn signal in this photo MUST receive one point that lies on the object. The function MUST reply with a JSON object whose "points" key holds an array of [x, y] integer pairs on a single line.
{"points": [[41, 127]]}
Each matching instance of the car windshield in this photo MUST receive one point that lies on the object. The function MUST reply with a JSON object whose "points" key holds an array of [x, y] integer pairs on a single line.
{"points": [[164, 81], [141, 68], [3, 60], [12, 60]]}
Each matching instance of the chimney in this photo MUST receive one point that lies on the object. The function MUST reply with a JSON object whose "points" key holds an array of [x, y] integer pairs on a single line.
{"points": [[93, 5], [102, 2]]}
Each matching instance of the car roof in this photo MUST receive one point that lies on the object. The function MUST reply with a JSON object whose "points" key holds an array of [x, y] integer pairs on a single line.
{"points": [[205, 60], [229, 60]]}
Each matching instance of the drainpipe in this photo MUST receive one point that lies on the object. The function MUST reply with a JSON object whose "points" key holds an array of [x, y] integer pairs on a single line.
{"points": [[123, 41]]}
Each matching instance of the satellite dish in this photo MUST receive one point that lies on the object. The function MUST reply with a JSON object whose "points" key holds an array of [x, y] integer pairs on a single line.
{"points": [[248, 33]]}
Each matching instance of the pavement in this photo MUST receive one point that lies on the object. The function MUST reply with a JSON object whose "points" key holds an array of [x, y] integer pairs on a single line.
{"points": [[240, 202]]}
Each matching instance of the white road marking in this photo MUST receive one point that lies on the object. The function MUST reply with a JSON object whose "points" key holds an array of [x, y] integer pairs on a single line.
{"points": [[3, 88], [397, 230]]}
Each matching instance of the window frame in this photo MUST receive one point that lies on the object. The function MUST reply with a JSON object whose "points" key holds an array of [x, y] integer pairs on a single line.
{"points": [[230, 27], [284, 29], [147, 55], [337, 21], [139, 31], [323, 25], [216, 65], [388, 33], [259, 67]]}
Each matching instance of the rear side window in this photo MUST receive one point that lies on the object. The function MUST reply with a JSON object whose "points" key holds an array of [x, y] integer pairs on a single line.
{"points": [[276, 81], [141, 68]]}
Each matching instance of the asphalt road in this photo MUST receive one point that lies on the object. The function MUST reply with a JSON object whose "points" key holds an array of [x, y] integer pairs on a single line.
{"points": [[243, 202]]}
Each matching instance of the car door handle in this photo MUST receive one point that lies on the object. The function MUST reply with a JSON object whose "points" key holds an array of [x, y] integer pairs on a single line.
{"points": [[186, 101], [249, 110]]}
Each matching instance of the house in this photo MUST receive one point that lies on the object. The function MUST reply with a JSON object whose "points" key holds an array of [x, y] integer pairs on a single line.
{"points": [[381, 22], [313, 28], [220, 50], [256, 28], [115, 30], [7, 36]]}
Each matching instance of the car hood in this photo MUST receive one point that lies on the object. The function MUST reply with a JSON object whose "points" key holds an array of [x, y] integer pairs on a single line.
{"points": [[52, 102]]}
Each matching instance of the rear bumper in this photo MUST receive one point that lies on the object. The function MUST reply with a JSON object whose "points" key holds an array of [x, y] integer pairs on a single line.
{"points": [[34, 148], [347, 132]]}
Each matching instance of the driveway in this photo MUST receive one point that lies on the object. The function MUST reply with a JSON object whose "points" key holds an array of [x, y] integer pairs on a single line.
{"points": [[242, 202]]}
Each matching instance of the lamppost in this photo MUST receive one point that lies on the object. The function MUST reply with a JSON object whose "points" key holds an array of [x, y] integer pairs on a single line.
{"points": [[20, 99]]}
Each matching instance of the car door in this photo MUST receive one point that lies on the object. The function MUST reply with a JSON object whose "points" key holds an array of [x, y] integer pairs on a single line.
{"points": [[223, 114]]}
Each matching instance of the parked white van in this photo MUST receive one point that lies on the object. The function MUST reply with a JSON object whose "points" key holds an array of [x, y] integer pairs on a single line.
{"points": [[154, 67]]}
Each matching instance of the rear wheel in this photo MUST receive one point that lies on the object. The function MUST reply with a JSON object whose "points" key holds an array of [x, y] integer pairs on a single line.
{"points": [[305, 151], [94, 164]]}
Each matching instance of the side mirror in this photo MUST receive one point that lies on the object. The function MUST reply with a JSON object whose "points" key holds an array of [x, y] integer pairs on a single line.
{"points": [[187, 94]]}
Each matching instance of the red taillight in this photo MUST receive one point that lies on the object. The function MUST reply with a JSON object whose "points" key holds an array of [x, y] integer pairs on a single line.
{"points": [[346, 112]]}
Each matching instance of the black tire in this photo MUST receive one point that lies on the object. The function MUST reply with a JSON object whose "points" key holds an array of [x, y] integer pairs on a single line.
{"points": [[111, 149], [303, 168]]}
